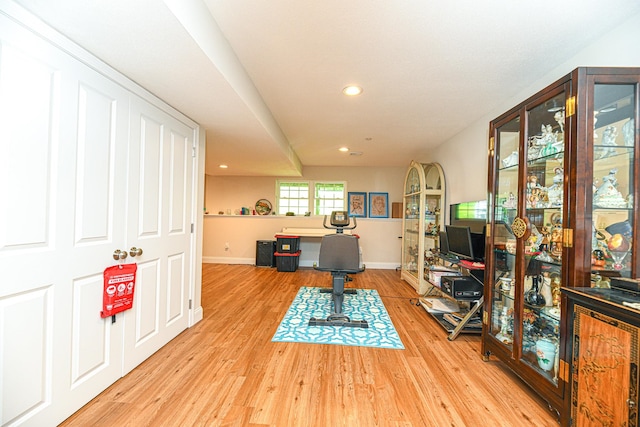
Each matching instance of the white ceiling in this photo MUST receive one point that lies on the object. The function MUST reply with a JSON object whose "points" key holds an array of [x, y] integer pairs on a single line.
{"points": [[264, 77]]}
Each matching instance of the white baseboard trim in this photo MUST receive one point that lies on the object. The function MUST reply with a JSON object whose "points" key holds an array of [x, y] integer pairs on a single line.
{"points": [[228, 260], [198, 315], [308, 263]]}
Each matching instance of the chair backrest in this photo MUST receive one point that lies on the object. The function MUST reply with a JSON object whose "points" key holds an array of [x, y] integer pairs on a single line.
{"points": [[339, 252]]}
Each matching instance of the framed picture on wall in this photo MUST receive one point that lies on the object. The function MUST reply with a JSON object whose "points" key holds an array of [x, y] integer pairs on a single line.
{"points": [[357, 204], [378, 205]]}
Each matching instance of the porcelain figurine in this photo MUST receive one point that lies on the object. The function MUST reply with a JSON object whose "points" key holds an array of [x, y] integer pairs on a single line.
{"points": [[510, 160], [628, 133], [607, 195], [504, 335], [609, 136], [510, 203], [559, 118]]}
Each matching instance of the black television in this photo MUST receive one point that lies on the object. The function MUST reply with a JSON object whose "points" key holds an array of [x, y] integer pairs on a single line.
{"points": [[465, 244], [443, 246], [459, 241]]}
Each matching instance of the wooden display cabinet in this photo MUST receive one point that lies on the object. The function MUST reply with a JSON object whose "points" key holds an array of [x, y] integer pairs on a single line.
{"points": [[423, 207], [562, 177]]}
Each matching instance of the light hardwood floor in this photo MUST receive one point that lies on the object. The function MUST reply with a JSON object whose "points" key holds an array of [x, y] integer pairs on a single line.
{"points": [[225, 371]]}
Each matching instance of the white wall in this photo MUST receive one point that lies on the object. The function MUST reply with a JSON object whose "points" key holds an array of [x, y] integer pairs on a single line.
{"points": [[379, 238], [463, 159], [239, 191], [466, 174]]}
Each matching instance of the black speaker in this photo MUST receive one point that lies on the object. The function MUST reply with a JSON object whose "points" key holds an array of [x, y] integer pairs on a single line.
{"points": [[264, 253]]}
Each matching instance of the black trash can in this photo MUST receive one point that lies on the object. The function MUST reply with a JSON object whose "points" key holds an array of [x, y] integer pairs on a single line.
{"points": [[265, 250]]}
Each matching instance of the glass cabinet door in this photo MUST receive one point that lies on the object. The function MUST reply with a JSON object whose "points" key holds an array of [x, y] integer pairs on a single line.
{"points": [[432, 202], [411, 223], [505, 210], [613, 184], [543, 248], [424, 190], [562, 215]]}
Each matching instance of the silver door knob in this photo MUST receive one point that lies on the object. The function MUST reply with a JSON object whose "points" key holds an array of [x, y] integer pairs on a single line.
{"points": [[135, 251], [118, 254]]}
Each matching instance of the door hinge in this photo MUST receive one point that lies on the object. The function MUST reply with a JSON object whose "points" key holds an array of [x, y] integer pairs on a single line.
{"points": [[485, 317], [570, 106], [563, 371], [193, 149], [190, 304], [567, 237], [192, 227]]}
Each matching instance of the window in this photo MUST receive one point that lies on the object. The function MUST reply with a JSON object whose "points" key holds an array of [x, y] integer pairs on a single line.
{"points": [[295, 196], [329, 197]]}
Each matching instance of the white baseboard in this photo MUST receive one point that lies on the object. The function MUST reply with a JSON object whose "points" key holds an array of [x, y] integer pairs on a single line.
{"points": [[228, 260], [307, 263], [198, 315]]}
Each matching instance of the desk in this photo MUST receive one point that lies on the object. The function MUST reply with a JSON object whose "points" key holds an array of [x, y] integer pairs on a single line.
{"points": [[310, 239], [308, 232], [472, 270]]}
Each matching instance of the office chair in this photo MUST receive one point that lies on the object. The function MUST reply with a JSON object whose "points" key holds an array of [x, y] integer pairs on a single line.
{"points": [[340, 255]]}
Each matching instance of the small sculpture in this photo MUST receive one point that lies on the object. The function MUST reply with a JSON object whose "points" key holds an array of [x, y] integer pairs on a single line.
{"points": [[559, 117], [556, 191], [607, 195], [510, 160], [628, 133], [504, 335], [510, 203], [609, 136]]}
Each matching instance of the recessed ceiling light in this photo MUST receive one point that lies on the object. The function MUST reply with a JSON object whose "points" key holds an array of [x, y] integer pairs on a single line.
{"points": [[343, 149], [352, 90], [223, 166], [609, 109]]}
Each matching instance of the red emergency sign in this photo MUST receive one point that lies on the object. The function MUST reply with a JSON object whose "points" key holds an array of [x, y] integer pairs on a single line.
{"points": [[119, 284]]}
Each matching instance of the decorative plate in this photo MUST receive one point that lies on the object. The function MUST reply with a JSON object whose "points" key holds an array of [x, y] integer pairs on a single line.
{"points": [[263, 207]]}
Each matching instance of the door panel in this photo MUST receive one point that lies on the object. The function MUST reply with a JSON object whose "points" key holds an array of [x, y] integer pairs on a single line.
{"points": [[146, 303], [92, 336], [161, 167], [64, 172], [26, 375], [96, 168], [176, 290], [30, 283], [28, 90]]}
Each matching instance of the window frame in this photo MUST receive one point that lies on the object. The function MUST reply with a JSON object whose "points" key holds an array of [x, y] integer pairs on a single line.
{"points": [[313, 202]]}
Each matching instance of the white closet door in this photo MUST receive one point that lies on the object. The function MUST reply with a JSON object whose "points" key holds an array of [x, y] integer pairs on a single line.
{"points": [[159, 222], [63, 160]]}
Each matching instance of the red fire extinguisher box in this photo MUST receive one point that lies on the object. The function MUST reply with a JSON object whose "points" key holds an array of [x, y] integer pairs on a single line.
{"points": [[119, 286]]}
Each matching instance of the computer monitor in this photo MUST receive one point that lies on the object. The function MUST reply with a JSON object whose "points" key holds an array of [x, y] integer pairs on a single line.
{"points": [[459, 241], [443, 245]]}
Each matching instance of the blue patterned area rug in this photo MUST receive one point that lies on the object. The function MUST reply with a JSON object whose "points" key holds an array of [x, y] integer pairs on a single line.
{"points": [[365, 305]]}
